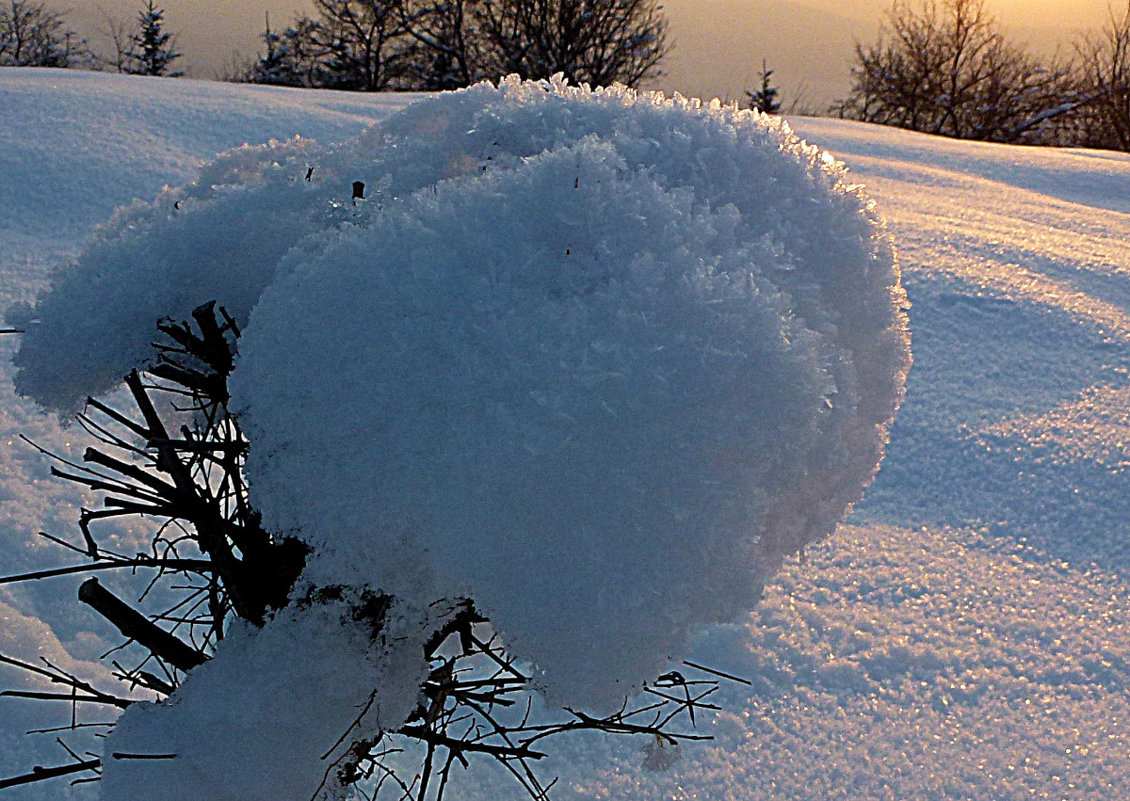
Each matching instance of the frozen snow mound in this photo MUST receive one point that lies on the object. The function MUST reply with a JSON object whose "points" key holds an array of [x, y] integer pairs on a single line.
{"points": [[596, 359]]}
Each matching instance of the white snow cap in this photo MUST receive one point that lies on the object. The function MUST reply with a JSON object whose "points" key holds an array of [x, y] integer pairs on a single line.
{"points": [[596, 359]]}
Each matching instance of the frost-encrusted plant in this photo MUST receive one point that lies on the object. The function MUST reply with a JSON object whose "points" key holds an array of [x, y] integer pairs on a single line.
{"points": [[177, 458], [587, 364]]}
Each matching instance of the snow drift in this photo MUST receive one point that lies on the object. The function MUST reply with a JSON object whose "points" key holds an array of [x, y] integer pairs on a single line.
{"points": [[597, 360]]}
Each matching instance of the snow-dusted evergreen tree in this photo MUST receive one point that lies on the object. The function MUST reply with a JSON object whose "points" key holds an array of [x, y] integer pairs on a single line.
{"points": [[151, 49], [288, 60], [33, 36], [766, 99]]}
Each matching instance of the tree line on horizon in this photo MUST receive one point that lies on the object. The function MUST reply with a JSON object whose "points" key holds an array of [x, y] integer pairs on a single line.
{"points": [[944, 67], [425, 45], [938, 66], [381, 45], [33, 35]]}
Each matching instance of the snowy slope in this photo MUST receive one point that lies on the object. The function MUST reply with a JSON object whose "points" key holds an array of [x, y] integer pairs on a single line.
{"points": [[963, 637]]}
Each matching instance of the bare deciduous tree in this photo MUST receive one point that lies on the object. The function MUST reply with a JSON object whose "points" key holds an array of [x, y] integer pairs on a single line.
{"points": [[358, 43], [31, 35], [117, 31], [597, 42], [1104, 78], [948, 70], [448, 47], [372, 45]]}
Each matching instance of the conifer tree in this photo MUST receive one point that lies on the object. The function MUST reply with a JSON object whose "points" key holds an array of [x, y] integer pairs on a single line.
{"points": [[276, 66], [765, 99], [151, 47]]}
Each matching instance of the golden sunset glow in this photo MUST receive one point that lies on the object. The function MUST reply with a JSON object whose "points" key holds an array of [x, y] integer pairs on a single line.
{"points": [[719, 44]]}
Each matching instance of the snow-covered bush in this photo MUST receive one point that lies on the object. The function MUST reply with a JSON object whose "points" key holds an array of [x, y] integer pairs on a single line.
{"points": [[596, 360]]}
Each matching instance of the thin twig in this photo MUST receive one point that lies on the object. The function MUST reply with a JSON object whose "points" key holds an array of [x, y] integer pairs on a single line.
{"points": [[201, 566]]}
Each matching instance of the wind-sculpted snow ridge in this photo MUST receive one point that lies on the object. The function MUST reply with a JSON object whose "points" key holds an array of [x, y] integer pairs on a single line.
{"points": [[597, 360]]}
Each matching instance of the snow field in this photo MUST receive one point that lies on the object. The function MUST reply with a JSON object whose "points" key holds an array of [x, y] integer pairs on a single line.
{"points": [[1015, 261]]}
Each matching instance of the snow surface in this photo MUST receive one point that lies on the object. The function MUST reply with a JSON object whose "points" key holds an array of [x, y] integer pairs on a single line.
{"points": [[963, 637]]}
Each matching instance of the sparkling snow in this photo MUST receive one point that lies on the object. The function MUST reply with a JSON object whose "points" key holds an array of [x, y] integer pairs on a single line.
{"points": [[963, 637]]}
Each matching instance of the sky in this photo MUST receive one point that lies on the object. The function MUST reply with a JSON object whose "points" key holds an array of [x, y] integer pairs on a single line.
{"points": [[719, 44]]}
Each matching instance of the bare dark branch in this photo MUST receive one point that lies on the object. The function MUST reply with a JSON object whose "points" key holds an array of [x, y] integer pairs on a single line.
{"points": [[138, 627], [39, 774]]}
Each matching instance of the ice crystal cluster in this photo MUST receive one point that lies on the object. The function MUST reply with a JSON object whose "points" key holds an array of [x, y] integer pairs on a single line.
{"points": [[596, 359]]}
